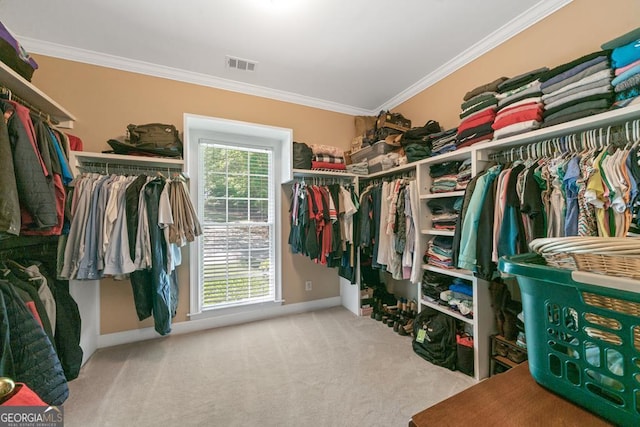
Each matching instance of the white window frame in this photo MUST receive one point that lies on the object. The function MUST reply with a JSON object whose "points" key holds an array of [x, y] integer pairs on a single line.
{"points": [[280, 140]]}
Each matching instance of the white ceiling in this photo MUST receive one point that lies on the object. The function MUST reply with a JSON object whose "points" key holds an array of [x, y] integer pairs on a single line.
{"points": [[353, 56]]}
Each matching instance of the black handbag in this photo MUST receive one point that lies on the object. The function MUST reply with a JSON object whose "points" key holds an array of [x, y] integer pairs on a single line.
{"points": [[156, 139]]}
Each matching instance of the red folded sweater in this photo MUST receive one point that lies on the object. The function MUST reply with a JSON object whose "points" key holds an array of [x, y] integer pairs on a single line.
{"points": [[476, 120], [520, 116]]}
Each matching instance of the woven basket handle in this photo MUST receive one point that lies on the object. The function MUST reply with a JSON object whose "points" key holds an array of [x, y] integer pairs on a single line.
{"points": [[605, 281]]}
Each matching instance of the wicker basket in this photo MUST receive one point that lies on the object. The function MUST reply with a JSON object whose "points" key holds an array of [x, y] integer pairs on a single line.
{"points": [[615, 256]]}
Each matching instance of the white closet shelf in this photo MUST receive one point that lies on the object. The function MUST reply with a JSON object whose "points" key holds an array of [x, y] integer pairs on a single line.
{"points": [[433, 232], [461, 154], [446, 310], [300, 173], [605, 119], [392, 171], [442, 195], [127, 160], [455, 272], [28, 92]]}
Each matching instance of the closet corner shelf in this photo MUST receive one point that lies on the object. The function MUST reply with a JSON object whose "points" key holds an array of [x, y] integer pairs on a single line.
{"points": [[432, 232], [455, 272], [607, 118], [25, 90], [446, 311], [442, 195], [127, 160]]}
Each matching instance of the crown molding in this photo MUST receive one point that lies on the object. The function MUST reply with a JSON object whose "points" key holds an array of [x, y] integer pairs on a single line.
{"points": [[536, 13], [541, 10], [141, 67]]}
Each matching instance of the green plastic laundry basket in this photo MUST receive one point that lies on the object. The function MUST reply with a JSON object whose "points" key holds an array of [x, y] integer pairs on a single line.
{"points": [[583, 335]]}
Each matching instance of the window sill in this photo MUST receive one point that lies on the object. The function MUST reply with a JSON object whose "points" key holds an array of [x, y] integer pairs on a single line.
{"points": [[236, 310]]}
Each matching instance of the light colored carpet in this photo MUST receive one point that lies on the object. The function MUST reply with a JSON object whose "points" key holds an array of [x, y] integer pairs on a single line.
{"points": [[323, 368]]}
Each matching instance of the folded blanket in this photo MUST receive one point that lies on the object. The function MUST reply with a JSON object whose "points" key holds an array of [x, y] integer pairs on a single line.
{"points": [[327, 158], [326, 149], [327, 165]]}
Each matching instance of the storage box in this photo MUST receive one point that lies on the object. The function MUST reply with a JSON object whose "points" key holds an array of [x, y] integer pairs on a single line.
{"points": [[368, 153], [583, 335]]}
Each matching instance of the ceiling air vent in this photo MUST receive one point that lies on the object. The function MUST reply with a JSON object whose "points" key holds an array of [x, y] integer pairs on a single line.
{"points": [[240, 64]]}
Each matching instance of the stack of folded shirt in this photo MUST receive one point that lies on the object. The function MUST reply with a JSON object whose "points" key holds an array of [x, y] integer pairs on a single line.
{"points": [[464, 175], [459, 297], [433, 284], [444, 212], [439, 252], [327, 157], [478, 111], [519, 104], [445, 176], [444, 142], [625, 60], [361, 168], [577, 89]]}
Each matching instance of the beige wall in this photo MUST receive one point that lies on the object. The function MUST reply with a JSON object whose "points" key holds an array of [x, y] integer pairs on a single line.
{"points": [[573, 31], [104, 101]]}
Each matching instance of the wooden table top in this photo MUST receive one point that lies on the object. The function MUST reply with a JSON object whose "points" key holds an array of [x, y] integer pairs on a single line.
{"points": [[512, 398]]}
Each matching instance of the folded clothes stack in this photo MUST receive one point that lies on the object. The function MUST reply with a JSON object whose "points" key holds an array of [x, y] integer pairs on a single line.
{"points": [[326, 157], [444, 176], [360, 168], [439, 252], [433, 284], [444, 142], [625, 60], [459, 297], [519, 104], [577, 89], [444, 212], [478, 112], [464, 175]]}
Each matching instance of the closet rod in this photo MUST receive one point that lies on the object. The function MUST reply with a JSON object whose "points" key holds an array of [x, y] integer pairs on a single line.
{"points": [[6, 93], [105, 167], [615, 135]]}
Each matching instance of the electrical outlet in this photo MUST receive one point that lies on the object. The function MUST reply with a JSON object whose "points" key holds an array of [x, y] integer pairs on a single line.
{"points": [[308, 285]]}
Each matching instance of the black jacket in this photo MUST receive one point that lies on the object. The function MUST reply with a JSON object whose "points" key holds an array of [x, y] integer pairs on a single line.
{"points": [[27, 354]]}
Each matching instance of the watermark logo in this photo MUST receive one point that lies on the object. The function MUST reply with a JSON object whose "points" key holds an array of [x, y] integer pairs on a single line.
{"points": [[31, 416]]}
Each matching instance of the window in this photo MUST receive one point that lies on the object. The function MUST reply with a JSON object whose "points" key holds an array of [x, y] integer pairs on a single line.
{"points": [[238, 224], [236, 169]]}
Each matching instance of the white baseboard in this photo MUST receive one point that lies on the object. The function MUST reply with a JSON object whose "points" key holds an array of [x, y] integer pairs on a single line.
{"points": [[117, 338]]}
